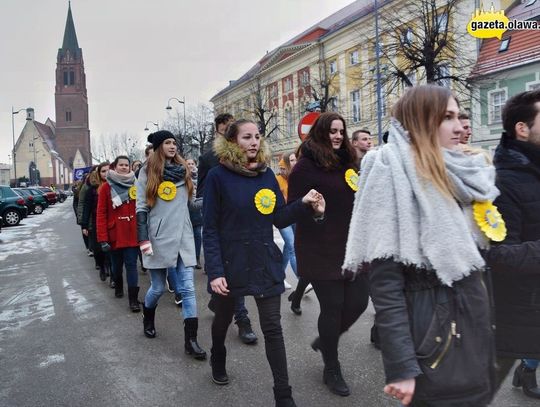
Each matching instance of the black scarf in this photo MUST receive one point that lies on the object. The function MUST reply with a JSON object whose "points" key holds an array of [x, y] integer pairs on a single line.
{"points": [[174, 172]]}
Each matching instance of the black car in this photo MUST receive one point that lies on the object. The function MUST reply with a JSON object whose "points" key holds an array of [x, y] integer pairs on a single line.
{"points": [[38, 201], [12, 207]]}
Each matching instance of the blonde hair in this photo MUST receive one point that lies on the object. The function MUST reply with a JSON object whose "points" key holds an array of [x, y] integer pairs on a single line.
{"points": [[421, 111], [154, 171]]}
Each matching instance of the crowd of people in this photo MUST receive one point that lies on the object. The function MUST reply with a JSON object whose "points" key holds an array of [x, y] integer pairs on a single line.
{"points": [[442, 236]]}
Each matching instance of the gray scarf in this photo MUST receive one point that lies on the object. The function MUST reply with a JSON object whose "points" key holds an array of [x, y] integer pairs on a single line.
{"points": [[120, 184], [398, 215]]}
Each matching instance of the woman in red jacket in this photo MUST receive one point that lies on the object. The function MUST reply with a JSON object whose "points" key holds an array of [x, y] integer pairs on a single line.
{"points": [[117, 227]]}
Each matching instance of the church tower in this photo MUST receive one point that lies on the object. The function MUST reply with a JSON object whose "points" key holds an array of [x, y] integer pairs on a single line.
{"points": [[72, 139]]}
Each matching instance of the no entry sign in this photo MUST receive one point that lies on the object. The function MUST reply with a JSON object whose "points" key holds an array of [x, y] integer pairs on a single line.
{"points": [[305, 124]]}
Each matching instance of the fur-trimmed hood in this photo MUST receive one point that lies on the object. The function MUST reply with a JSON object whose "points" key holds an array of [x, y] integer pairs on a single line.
{"points": [[232, 156]]}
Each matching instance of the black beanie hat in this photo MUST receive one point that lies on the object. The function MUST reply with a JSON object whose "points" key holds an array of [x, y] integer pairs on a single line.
{"points": [[159, 137]]}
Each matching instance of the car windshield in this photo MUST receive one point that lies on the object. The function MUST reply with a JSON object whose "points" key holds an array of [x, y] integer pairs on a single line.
{"points": [[36, 192], [46, 189]]}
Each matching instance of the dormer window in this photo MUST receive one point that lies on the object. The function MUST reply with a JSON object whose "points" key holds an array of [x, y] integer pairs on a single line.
{"points": [[505, 43]]}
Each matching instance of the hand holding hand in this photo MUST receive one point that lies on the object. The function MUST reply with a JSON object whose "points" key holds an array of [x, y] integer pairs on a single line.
{"points": [[146, 248], [105, 247], [316, 200], [402, 390], [219, 286]]}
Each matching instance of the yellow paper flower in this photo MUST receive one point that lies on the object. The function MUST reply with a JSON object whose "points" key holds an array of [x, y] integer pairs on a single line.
{"points": [[166, 190], [351, 176], [265, 201], [489, 220], [132, 192]]}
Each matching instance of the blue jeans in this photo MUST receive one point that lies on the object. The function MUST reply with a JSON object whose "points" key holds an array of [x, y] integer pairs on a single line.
{"points": [[125, 257], [531, 363], [182, 279], [288, 249], [197, 234]]}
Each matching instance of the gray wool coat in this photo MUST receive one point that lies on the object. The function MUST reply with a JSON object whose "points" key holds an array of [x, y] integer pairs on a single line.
{"points": [[169, 227]]}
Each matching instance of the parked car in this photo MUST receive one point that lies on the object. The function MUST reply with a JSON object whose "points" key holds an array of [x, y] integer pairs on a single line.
{"points": [[12, 207], [28, 200], [49, 194], [60, 195], [40, 203]]}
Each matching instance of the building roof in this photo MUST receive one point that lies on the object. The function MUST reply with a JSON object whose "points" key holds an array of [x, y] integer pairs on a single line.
{"points": [[70, 37], [523, 46], [325, 27], [47, 134]]}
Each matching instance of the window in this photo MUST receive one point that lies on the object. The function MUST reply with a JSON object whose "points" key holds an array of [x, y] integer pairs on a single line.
{"points": [[68, 116], [273, 91], [354, 57], [289, 125], [355, 106], [442, 22], [504, 44], [69, 78], [407, 36], [333, 104], [332, 67], [287, 85], [444, 73], [304, 78], [496, 100], [412, 79]]}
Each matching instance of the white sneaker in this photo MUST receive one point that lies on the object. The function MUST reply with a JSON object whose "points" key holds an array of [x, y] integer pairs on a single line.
{"points": [[89, 253], [287, 285], [308, 288]]}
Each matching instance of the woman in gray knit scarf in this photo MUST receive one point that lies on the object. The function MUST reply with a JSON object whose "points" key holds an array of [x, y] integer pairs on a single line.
{"points": [[422, 244]]}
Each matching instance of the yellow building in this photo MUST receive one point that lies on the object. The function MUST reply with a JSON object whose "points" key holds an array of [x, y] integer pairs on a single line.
{"points": [[337, 56]]}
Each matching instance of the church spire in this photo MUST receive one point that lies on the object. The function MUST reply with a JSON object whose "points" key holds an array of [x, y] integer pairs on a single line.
{"points": [[70, 37]]}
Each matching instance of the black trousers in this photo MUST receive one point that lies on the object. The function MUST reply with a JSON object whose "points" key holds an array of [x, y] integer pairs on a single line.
{"points": [[342, 303], [270, 320]]}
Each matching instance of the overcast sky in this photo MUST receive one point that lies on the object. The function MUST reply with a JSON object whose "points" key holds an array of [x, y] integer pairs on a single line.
{"points": [[139, 53]]}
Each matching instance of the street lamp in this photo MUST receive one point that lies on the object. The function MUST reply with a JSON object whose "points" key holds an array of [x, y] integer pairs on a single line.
{"points": [[183, 102], [14, 154], [150, 121]]}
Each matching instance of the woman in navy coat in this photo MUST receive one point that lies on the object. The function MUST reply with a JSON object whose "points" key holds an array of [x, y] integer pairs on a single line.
{"points": [[242, 202]]}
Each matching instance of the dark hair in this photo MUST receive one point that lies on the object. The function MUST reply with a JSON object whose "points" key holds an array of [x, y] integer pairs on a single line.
{"points": [[223, 118], [520, 108], [234, 128], [148, 149], [318, 142], [118, 158], [463, 116], [356, 132]]}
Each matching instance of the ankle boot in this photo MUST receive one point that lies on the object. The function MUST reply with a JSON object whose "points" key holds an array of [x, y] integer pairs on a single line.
{"points": [[217, 361], [283, 397], [295, 303], [334, 380], [133, 296], [245, 332], [191, 346], [102, 273], [526, 378], [148, 322]]}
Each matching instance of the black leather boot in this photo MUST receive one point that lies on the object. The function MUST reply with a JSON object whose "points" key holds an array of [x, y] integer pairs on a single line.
{"points": [[526, 378], [245, 332], [334, 380], [191, 346], [283, 397], [102, 273], [133, 296], [148, 322], [295, 303], [118, 287], [217, 361]]}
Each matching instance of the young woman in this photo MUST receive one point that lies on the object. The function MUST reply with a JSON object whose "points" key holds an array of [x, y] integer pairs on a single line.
{"points": [[117, 227], [421, 216], [242, 202], [327, 163], [164, 191], [88, 221]]}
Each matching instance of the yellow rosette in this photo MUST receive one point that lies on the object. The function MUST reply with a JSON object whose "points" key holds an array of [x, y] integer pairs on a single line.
{"points": [[265, 201], [351, 177], [167, 190], [489, 220], [132, 192]]}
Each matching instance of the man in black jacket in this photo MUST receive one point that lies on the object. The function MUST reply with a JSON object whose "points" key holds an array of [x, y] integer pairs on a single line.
{"points": [[207, 161], [516, 261]]}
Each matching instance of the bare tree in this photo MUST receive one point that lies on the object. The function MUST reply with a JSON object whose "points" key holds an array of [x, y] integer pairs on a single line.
{"points": [[200, 124], [259, 107], [175, 124], [108, 147], [323, 87]]}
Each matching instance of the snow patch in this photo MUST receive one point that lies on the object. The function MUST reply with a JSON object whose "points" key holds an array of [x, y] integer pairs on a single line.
{"points": [[58, 358]]}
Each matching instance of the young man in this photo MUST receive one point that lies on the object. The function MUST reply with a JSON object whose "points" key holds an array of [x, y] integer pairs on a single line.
{"points": [[516, 261], [208, 161], [362, 143], [467, 129]]}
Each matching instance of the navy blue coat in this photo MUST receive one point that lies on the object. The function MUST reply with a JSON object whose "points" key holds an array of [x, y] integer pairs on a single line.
{"points": [[238, 239]]}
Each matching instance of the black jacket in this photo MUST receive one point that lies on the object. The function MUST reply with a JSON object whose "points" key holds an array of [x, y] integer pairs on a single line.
{"points": [[437, 334], [516, 262], [207, 161]]}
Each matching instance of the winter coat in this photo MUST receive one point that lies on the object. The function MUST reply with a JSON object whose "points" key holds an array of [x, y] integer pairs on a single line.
{"points": [[117, 226], [320, 247], [168, 227], [516, 261], [283, 185], [88, 220], [80, 203], [414, 318], [207, 161], [238, 239], [195, 214]]}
